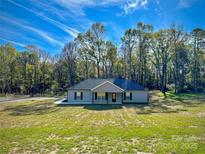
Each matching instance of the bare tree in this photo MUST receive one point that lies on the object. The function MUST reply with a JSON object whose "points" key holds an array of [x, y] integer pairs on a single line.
{"points": [[69, 54]]}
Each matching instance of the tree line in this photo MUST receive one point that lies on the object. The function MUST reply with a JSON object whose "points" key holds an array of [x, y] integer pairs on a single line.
{"points": [[166, 59]]}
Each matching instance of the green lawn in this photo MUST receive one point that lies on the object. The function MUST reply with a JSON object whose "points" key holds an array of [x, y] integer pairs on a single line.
{"points": [[172, 125]]}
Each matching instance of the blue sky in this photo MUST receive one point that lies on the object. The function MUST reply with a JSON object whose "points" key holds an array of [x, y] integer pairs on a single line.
{"points": [[49, 24]]}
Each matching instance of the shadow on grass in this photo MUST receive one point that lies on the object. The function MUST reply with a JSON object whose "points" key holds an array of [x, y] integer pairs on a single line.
{"points": [[157, 108], [102, 107], [172, 104], [140, 108], [32, 109], [97, 107]]}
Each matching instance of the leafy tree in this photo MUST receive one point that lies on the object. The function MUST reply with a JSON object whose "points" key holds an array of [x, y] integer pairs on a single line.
{"points": [[155, 60], [161, 47], [178, 37], [198, 42], [111, 57], [143, 36], [92, 44], [129, 41], [69, 55]]}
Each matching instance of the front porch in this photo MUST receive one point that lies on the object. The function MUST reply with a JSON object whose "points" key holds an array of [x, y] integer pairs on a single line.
{"points": [[107, 93], [107, 98]]}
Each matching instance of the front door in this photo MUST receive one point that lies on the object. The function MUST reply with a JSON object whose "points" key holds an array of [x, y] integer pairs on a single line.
{"points": [[113, 97]]}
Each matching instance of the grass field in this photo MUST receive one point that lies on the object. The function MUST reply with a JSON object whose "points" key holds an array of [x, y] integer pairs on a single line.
{"points": [[172, 125]]}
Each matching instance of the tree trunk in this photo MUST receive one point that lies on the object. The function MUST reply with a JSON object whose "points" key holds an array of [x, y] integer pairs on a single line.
{"points": [[86, 67], [98, 68]]}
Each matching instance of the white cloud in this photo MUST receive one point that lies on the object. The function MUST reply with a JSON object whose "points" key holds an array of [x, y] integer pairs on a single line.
{"points": [[186, 3], [11, 34], [16, 43], [134, 5], [43, 35], [73, 32], [63, 10], [23, 24], [75, 9], [77, 6]]}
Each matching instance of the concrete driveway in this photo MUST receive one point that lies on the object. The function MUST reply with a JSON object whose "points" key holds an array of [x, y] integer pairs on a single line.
{"points": [[10, 99]]}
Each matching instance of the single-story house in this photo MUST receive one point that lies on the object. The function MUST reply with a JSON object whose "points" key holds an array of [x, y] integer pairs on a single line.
{"points": [[107, 91]]}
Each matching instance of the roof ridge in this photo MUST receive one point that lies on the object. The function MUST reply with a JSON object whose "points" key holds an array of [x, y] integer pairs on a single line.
{"points": [[120, 82]]}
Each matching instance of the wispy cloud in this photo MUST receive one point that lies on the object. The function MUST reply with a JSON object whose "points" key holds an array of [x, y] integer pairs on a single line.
{"points": [[186, 3], [44, 35], [73, 32], [9, 35], [77, 6], [134, 5], [23, 24], [16, 43]]}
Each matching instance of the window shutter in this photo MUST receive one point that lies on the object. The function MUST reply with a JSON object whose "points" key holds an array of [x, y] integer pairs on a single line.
{"points": [[95, 95], [130, 95], [106, 95], [75, 95], [81, 95], [124, 96]]}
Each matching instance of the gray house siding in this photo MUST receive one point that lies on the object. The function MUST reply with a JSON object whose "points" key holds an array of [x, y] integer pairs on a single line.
{"points": [[118, 98], [107, 87], [89, 97], [138, 96], [97, 101], [109, 100], [86, 99], [89, 87]]}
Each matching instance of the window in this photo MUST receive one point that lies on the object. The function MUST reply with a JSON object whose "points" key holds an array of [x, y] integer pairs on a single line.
{"points": [[100, 95], [113, 97], [128, 96], [79, 95]]}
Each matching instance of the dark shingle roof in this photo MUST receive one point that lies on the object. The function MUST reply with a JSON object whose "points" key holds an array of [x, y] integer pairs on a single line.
{"points": [[122, 83]]}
